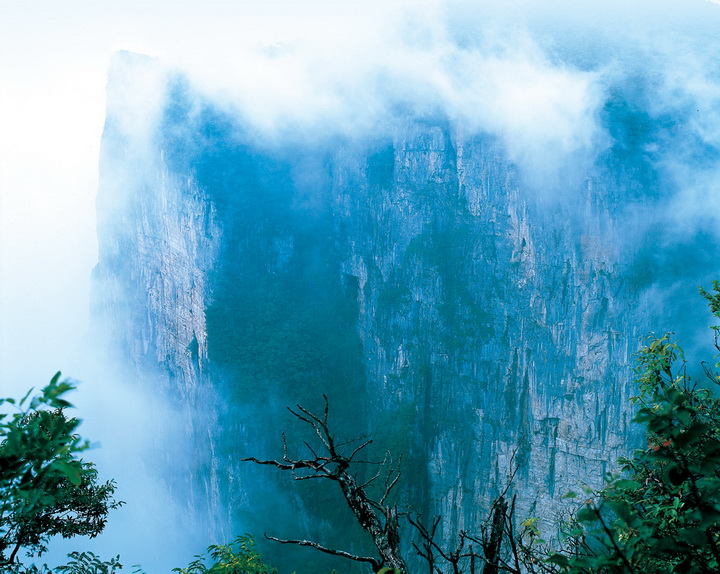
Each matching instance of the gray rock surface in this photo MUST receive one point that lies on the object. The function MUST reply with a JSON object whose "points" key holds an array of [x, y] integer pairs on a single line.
{"points": [[470, 319]]}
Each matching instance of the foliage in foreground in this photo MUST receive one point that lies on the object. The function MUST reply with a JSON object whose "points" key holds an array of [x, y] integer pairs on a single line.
{"points": [[79, 563], [662, 515], [46, 489], [239, 557]]}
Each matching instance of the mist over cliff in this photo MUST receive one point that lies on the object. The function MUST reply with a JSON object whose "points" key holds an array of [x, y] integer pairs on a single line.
{"points": [[460, 233]]}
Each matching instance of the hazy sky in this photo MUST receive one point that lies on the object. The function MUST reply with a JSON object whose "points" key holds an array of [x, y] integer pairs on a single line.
{"points": [[54, 56]]}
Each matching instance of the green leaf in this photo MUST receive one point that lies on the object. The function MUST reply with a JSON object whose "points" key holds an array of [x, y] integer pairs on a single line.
{"points": [[559, 560], [25, 398], [625, 483], [622, 509], [587, 514], [693, 536], [72, 472]]}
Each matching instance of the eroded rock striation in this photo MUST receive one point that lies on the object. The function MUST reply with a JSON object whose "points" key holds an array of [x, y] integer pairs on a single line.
{"points": [[469, 316]]}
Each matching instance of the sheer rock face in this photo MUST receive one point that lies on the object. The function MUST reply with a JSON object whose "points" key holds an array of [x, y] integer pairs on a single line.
{"points": [[466, 317], [499, 322]]}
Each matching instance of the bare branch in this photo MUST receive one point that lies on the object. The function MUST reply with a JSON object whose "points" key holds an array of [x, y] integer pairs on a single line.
{"points": [[285, 450], [503, 494], [510, 531], [275, 463], [318, 426], [378, 519], [374, 563], [371, 480], [427, 535], [390, 481], [309, 476], [312, 451], [358, 449]]}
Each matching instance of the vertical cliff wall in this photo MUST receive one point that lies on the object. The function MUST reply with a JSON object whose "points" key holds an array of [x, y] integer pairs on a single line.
{"points": [[449, 300]]}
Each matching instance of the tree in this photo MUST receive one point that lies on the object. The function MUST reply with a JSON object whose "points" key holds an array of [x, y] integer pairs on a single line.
{"points": [[240, 557], [662, 514], [370, 500], [46, 489], [79, 563], [473, 553], [336, 462]]}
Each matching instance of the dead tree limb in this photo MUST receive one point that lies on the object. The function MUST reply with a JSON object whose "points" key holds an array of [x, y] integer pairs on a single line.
{"points": [[428, 547], [461, 559], [376, 566], [497, 529], [378, 518]]}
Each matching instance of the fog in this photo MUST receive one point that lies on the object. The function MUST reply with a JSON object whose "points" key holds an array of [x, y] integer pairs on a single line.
{"points": [[537, 75]]}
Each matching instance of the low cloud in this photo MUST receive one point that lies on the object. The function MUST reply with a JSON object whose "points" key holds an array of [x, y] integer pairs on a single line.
{"points": [[537, 79]]}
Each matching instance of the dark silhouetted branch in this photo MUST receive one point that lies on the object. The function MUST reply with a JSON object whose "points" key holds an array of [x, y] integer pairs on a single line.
{"points": [[375, 516], [374, 563]]}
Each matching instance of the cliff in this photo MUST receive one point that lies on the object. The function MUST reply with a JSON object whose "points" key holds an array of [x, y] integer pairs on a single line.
{"points": [[468, 315]]}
